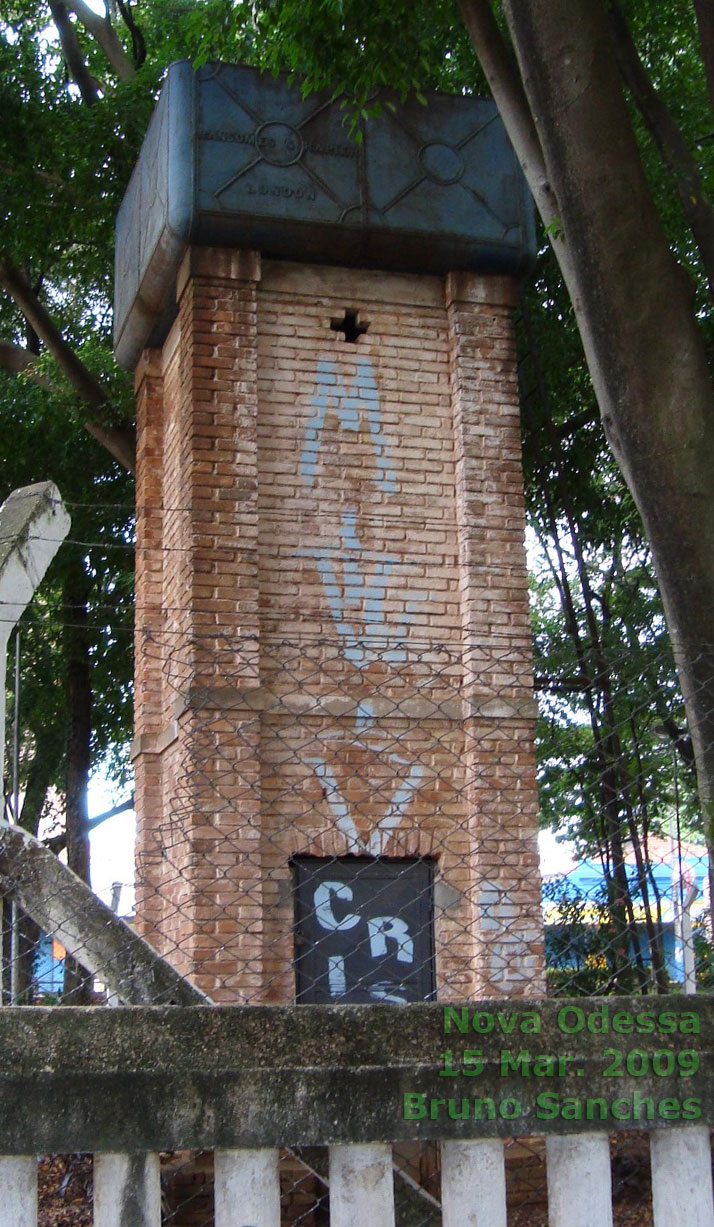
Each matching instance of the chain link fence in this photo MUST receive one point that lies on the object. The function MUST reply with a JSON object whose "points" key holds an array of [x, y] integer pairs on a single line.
{"points": [[314, 829], [331, 834]]}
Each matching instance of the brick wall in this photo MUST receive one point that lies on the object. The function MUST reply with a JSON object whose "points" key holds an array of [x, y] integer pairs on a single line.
{"points": [[333, 645]]}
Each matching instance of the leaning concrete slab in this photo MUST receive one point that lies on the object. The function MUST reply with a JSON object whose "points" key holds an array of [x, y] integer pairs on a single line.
{"points": [[101, 942], [33, 524]]}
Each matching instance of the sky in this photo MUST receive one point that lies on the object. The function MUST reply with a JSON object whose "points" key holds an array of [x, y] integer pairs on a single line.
{"points": [[112, 845]]}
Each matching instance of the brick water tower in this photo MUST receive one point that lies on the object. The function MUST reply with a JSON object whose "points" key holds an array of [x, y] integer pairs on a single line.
{"points": [[335, 777]]}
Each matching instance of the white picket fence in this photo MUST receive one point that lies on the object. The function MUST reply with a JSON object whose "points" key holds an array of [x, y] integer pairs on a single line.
{"points": [[127, 1189]]}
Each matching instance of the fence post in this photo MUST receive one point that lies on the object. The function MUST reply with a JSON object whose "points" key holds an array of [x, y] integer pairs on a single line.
{"points": [[361, 1185], [682, 1177], [247, 1188], [127, 1190], [579, 1180], [473, 1184], [18, 1191]]}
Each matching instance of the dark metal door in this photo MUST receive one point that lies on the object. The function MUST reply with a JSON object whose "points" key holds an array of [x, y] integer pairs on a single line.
{"points": [[364, 930]]}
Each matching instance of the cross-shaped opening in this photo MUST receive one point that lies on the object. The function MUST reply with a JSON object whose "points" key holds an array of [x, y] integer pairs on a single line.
{"points": [[350, 325]]}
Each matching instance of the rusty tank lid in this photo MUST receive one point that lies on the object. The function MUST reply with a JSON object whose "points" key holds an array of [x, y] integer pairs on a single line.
{"points": [[237, 158]]}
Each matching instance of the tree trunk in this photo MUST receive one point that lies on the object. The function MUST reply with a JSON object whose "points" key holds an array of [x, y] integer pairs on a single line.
{"points": [[705, 23], [77, 986], [635, 310]]}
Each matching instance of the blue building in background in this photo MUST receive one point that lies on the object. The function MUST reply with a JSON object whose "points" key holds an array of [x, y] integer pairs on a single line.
{"points": [[575, 909], [48, 971]]}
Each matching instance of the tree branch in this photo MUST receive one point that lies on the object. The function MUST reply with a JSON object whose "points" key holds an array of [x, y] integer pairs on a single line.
{"points": [[638, 323], [16, 358], [137, 38], [501, 72], [672, 145], [15, 284], [57, 843], [118, 440], [101, 29], [705, 25], [47, 176], [72, 52]]}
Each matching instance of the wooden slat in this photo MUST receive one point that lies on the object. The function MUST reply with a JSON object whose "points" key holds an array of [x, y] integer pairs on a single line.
{"points": [[247, 1184], [361, 1185], [579, 1181], [682, 1177], [127, 1190], [473, 1184], [18, 1191]]}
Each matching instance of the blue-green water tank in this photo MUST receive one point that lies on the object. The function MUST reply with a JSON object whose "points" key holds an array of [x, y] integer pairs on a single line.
{"points": [[234, 157]]}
